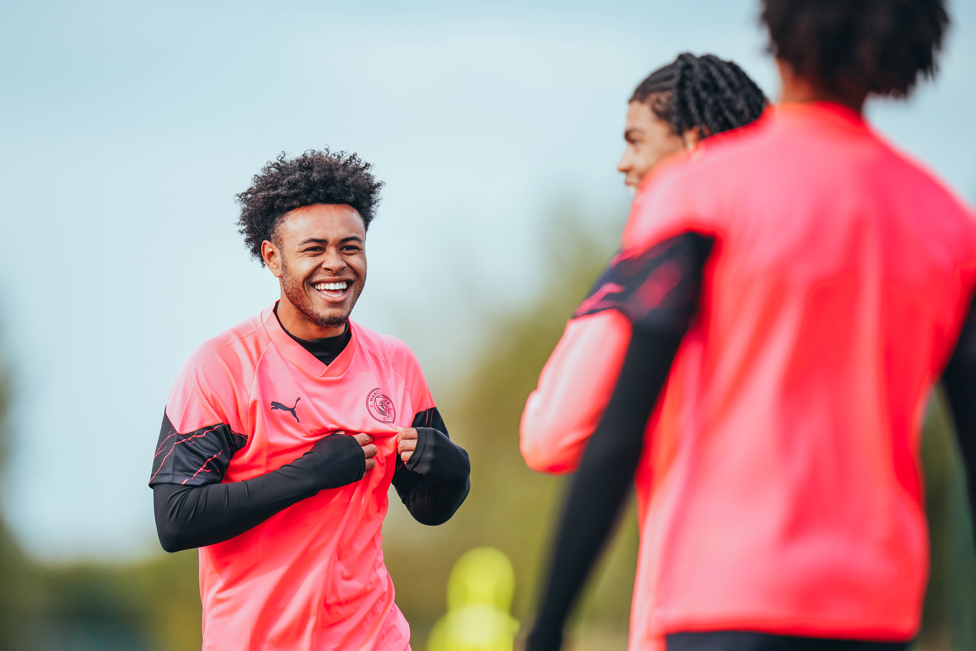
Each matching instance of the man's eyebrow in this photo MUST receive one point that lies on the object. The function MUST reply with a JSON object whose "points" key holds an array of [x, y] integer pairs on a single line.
{"points": [[629, 133], [322, 240]]}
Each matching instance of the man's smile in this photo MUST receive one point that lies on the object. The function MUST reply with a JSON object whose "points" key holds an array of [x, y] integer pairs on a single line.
{"points": [[333, 290]]}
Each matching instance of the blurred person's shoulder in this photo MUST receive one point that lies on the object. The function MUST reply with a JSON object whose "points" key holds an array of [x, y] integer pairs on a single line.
{"points": [[909, 181], [789, 158]]}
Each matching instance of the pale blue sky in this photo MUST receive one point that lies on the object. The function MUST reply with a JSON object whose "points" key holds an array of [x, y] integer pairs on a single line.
{"points": [[126, 129]]}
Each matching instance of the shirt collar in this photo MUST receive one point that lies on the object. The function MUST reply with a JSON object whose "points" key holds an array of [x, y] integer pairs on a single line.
{"points": [[830, 110], [297, 354]]}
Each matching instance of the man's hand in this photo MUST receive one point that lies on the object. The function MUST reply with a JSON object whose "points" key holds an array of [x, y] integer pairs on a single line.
{"points": [[406, 442], [366, 443]]}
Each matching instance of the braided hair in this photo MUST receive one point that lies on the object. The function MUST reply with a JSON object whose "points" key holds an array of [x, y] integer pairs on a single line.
{"points": [[704, 93]]}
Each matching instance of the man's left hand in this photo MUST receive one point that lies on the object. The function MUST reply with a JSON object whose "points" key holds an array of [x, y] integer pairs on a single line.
{"points": [[406, 442]]}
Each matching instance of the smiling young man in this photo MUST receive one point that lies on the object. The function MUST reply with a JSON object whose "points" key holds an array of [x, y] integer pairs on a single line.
{"points": [[281, 436]]}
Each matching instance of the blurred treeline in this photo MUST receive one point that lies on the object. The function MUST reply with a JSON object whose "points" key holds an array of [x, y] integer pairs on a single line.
{"points": [[154, 604]]}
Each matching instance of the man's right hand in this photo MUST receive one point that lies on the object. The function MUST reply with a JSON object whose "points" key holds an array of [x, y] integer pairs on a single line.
{"points": [[366, 442], [337, 460]]}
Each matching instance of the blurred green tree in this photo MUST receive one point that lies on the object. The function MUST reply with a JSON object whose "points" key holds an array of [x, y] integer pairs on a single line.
{"points": [[511, 507], [949, 618], [152, 605], [18, 586]]}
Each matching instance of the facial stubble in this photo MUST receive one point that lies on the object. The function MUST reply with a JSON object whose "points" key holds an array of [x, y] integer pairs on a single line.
{"points": [[294, 290]]}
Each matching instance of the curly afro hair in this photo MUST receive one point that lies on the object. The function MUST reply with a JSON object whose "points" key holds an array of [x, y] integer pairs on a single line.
{"points": [[314, 177], [705, 93], [858, 47]]}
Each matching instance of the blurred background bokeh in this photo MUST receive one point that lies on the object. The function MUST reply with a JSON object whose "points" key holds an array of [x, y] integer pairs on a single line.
{"points": [[125, 131]]}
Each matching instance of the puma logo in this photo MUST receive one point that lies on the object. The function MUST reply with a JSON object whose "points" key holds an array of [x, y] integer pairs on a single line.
{"points": [[278, 405]]}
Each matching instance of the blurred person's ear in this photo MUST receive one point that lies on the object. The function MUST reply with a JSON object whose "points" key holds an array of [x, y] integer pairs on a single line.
{"points": [[691, 138]]}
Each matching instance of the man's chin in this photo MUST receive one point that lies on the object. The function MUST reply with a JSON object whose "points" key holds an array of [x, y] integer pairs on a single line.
{"points": [[333, 321], [329, 318]]}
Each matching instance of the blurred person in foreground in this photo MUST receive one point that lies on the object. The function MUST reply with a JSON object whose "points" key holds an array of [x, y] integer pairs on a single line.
{"points": [[792, 293], [281, 436]]}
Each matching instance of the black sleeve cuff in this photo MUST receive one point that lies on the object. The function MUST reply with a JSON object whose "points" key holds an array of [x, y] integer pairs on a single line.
{"points": [[438, 458], [333, 461]]}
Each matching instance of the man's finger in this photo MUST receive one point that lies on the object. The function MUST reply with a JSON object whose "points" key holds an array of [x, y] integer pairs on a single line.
{"points": [[370, 464], [407, 445], [406, 433], [363, 439], [369, 450]]}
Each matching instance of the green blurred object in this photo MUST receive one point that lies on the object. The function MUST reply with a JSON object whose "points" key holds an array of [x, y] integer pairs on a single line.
{"points": [[949, 616], [479, 596], [482, 576]]}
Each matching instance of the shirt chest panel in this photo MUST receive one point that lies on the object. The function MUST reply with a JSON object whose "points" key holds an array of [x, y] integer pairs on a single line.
{"points": [[289, 409]]}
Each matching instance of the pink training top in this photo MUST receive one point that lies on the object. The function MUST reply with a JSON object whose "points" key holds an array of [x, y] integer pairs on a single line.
{"points": [[780, 487], [312, 576]]}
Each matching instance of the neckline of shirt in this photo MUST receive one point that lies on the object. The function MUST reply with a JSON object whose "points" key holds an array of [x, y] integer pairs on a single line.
{"points": [[300, 356], [830, 110], [325, 349]]}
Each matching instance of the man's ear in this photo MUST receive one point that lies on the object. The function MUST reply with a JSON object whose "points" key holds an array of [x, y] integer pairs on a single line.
{"points": [[690, 139], [272, 257]]}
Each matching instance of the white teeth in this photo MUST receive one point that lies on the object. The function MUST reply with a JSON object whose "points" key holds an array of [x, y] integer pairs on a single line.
{"points": [[336, 287]]}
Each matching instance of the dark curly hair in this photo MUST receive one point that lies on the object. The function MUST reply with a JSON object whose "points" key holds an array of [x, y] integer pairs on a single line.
{"points": [[704, 93], [314, 177], [858, 47]]}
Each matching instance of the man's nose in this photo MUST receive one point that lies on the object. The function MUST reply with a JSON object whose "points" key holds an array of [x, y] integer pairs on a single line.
{"points": [[333, 261], [624, 165]]}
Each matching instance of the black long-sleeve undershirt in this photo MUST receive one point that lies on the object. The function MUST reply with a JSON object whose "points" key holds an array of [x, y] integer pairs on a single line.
{"points": [[596, 496], [436, 480], [432, 484], [195, 516], [606, 471]]}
